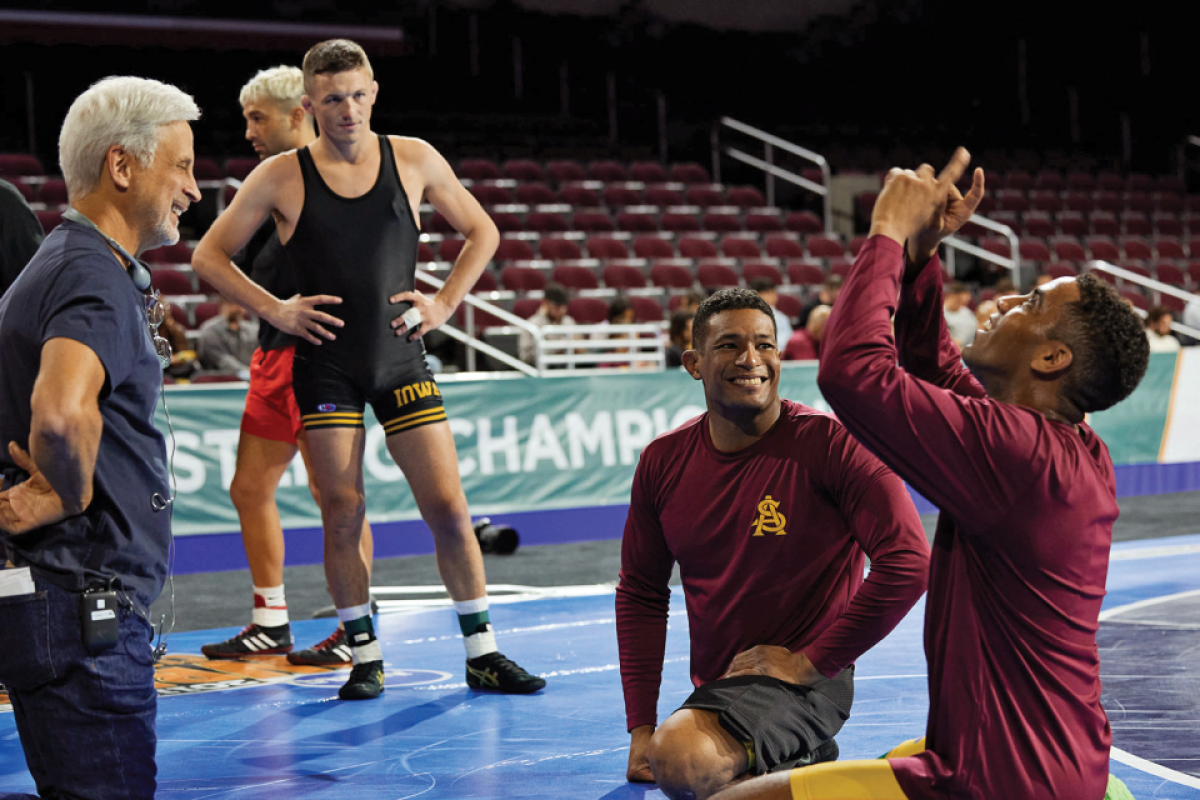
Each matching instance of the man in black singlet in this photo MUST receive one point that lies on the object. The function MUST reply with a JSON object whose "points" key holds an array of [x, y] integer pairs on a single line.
{"points": [[346, 212], [271, 431]]}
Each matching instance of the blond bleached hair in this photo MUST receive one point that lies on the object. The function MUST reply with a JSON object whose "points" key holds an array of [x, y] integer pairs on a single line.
{"points": [[124, 111], [284, 85]]}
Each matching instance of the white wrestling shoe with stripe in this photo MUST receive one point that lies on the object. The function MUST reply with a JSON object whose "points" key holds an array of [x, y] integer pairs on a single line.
{"points": [[254, 640], [333, 652]]}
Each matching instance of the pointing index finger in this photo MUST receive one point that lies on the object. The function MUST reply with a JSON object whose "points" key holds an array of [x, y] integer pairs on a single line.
{"points": [[955, 168]]}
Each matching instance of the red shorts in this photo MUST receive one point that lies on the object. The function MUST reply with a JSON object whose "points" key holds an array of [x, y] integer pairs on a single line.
{"points": [[271, 410]]}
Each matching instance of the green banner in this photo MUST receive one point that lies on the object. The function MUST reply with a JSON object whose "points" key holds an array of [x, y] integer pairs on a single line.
{"points": [[532, 443]]}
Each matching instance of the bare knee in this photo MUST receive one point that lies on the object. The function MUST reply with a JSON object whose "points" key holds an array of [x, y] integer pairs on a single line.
{"points": [[446, 515], [343, 511], [249, 491], [679, 760]]}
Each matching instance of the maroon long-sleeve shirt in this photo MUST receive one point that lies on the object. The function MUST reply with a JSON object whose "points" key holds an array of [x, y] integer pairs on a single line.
{"points": [[770, 544], [1020, 556]]}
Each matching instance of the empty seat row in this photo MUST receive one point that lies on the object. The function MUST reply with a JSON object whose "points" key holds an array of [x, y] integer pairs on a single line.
{"points": [[592, 194], [644, 218], [1096, 248]]}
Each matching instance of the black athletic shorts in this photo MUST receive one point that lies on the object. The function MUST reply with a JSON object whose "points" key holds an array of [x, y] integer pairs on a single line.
{"points": [[779, 723], [330, 398]]}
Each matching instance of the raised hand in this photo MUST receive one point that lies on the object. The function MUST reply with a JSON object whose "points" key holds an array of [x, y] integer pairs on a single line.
{"points": [[299, 316], [953, 213], [921, 208], [434, 313], [31, 504]]}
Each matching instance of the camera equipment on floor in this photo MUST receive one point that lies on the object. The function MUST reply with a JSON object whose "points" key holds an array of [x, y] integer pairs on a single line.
{"points": [[499, 539]]}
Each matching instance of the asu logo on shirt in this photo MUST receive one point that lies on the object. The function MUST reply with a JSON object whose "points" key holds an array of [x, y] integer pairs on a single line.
{"points": [[770, 520]]}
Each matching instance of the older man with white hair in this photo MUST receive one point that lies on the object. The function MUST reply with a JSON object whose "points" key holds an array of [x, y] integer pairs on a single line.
{"points": [[83, 507]]}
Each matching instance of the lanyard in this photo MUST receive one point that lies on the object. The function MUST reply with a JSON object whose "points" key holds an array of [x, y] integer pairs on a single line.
{"points": [[137, 270]]}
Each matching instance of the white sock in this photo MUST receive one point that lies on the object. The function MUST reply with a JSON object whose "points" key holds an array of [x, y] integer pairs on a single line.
{"points": [[483, 642], [354, 612], [360, 654], [270, 607]]}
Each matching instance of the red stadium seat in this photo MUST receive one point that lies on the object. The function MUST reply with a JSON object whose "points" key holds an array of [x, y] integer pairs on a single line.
{"points": [[514, 250], [1049, 179], [579, 195], [738, 247], [1081, 181], [526, 307], [563, 171], [1137, 298], [1048, 201], [1018, 179], [636, 222], [704, 196], [1193, 247], [172, 281], [479, 169], [559, 249], [840, 266], [507, 222], [1172, 303], [1169, 248], [522, 279], [805, 274], [206, 169], [54, 192], [623, 276], [856, 244], [783, 247], [1102, 249], [178, 253], [680, 222], [804, 222], [1062, 269], [588, 310], [1193, 271], [49, 219], [1170, 183], [1069, 250], [1008, 200], [746, 197], [1139, 201], [1140, 182], [485, 283], [607, 171], [697, 248], [203, 312], [712, 274], [1105, 224], [621, 194], [1135, 223], [1108, 201], [449, 249], [1072, 223], [592, 222], [229, 193], [648, 172], [1169, 274], [489, 194], [689, 173], [482, 319], [1110, 182], [1168, 226], [1034, 250], [606, 247], [425, 252], [763, 222], [1136, 269], [1168, 202], [439, 224], [652, 247], [721, 221], [25, 189], [789, 305], [997, 245], [536, 194], [546, 222], [521, 169], [1136, 248], [645, 309], [1081, 202], [825, 247], [757, 269], [1040, 225], [18, 165], [239, 168], [663, 196], [575, 277], [670, 276]]}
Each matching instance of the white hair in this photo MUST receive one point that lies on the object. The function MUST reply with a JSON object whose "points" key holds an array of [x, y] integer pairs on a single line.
{"points": [[284, 85], [124, 111]]}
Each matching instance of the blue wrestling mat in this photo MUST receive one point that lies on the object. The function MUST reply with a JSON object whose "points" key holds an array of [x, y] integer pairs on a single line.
{"points": [[260, 729]]}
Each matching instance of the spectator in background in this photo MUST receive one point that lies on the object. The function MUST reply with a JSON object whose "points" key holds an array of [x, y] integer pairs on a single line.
{"points": [[1191, 316], [765, 288], [183, 357], [620, 312], [691, 301], [680, 336], [552, 311], [227, 341], [984, 311], [1040, 281], [20, 234], [826, 297], [805, 344], [1158, 330], [1005, 286], [960, 319]]}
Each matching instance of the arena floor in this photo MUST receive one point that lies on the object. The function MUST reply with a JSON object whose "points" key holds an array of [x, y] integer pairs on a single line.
{"points": [[261, 729]]}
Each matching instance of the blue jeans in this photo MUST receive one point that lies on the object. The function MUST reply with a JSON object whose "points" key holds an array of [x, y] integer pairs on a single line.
{"points": [[86, 722]]}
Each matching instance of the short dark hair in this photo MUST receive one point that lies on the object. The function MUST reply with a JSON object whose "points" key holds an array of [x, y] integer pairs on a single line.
{"points": [[617, 307], [556, 293], [679, 321], [956, 287], [761, 285], [834, 281], [1108, 343], [332, 56], [1157, 313], [728, 300]]}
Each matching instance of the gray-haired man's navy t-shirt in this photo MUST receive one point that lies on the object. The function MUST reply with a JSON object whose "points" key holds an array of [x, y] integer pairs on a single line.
{"points": [[75, 288]]}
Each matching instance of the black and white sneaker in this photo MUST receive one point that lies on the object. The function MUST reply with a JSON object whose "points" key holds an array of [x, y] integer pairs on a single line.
{"points": [[254, 640], [333, 652], [365, 682], [494, 672]]}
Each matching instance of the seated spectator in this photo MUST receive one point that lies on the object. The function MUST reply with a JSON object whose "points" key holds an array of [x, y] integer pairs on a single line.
{"points": [[960, 320], [680, 336], [620, 312], [553, 311], [826, 297], [1158, 330], [984, 311], [1004, 286], [227, 341], [766, 290], [805, 344], [691, 301], [183, 357]]}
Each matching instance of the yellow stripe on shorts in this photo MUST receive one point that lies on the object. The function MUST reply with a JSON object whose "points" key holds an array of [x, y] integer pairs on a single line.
{"points": [[332, 416], [415, 420], [846, 780]]}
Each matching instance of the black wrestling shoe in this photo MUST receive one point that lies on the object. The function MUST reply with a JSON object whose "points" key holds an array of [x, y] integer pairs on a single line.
{"points": [[333, 652], [254, 640], [496, 673], [365, 682]]}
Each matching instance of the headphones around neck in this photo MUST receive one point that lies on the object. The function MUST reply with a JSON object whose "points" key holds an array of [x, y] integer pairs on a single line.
{"points": [[137, 270]]}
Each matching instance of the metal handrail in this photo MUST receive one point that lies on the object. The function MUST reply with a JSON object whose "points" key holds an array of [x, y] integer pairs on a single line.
{"points": [[1151, 283], [767, 163], [220, 185], [474, 343], [1012, 264], [612, 344]]}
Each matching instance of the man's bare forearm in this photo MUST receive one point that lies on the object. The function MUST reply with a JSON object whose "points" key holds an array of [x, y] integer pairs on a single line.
{"points": [[64, 447], [474, 258]]}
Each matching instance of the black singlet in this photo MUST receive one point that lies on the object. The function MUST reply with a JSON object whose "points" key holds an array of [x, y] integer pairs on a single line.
{"points": [[265, 261], [364, 250]]}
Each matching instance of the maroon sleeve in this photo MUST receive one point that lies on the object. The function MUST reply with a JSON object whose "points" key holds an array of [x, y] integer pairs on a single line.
{"points": [[972, 457], [925, 347], [643, 602], [799, 348], [882, 519]]}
